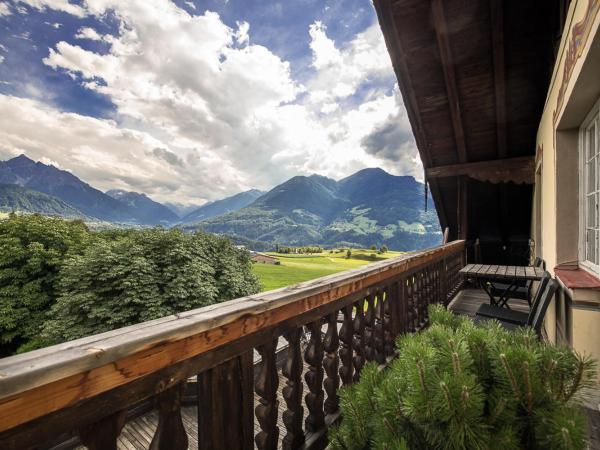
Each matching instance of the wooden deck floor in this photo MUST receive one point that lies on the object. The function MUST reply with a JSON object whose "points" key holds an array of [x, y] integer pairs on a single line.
{"points": [[468, 300], [137, 434]]}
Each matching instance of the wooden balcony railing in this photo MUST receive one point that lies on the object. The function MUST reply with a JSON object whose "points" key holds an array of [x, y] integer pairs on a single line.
{"points": [[332, 326]]}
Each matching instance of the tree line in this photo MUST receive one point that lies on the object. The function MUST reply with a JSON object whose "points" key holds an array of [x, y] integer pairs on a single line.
{"points": [[60, 281], [308, 250]]}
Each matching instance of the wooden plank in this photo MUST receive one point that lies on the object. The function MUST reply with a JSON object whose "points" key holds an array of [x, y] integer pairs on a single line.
{"points": [[448, 63], [501, 272], [467, 269], [385, 14], [497, 21], [501, 169]]}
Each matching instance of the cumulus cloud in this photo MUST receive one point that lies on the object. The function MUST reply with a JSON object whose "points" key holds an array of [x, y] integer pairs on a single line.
{"points": [[340, 72], [57, 5], [202, 113], [88, 33], [105, 154], [392, 141], [4, 9]]}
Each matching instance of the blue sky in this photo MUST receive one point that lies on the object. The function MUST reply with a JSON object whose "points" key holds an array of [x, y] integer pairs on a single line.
{"points": [[189, 101]]}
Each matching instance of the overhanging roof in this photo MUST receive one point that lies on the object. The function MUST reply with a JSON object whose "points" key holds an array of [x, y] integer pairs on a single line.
{"points": [[474, 76]]}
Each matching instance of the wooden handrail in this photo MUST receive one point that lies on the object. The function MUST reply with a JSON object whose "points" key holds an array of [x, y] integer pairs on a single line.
{"points": [[40, 388]]}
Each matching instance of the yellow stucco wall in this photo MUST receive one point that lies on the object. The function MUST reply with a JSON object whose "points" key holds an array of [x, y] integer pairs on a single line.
{"points": [[580, 31]]}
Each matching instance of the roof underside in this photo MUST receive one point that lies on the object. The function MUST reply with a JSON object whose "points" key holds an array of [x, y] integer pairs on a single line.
{"points": [[474, 76]]}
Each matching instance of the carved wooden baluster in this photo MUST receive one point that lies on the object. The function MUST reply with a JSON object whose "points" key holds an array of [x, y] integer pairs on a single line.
{"points": [[422, 299], [410, 307], [314, 378], [370, 328], [103, 434], [292, 392], [359, 338], [347, 337], [170, 432], [444, 282], [382, 298], [331, 363], [437, 274], [266, 389], [389, 306], [428, 294], [414, 300]]}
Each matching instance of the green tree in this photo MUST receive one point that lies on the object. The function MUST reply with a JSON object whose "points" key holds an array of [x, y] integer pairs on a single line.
{"points": [[349, 254], [373, 247], [32, 251], [135, 276], [383, 249]]}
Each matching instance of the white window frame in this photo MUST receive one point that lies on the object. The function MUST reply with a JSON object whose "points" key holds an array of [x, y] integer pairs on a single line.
{"points": [[592, 119]]}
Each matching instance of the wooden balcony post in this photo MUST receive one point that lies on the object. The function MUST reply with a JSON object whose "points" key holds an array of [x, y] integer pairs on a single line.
{"points": [[292, 392], [103, 434], [331, 362], [170, 433], [266, 390], [225, 405], [346, 348]]}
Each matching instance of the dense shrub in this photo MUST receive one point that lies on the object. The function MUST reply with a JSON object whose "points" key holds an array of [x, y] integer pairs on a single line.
{"points": [[457, 386], [142, 275], [32, 251]]}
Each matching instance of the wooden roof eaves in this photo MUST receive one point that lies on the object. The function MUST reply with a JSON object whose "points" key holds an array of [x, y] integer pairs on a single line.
{"points": [[447, 62], [394, 45]]}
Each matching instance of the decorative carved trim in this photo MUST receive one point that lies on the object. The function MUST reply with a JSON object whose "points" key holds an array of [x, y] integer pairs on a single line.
{"points": [[579, 37]]}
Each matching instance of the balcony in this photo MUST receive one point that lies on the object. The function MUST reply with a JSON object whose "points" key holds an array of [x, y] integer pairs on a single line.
{"points": [[265, 369]]}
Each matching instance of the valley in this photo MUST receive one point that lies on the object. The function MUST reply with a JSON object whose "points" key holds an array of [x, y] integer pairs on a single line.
{"points": [[298, 268]]}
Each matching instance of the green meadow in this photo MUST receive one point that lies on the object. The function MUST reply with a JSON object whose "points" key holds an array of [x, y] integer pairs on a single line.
{"points": [[297, 268]]}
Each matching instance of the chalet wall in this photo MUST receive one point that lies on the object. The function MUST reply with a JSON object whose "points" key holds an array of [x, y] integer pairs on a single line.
{"points": [[574, 89]]}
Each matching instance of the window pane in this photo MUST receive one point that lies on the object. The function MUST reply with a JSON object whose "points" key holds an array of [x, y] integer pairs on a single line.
{"points": [[591, 246], [591, 142], [591, 175], [589, 211]]}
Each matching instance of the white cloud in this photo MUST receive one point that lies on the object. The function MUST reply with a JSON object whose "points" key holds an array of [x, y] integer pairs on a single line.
{"points": [[106, 155], [191, 5], [4, 9], [241, 35], [88, 33], [57, 5], [1, 59], [203, 113], [341, 71]]}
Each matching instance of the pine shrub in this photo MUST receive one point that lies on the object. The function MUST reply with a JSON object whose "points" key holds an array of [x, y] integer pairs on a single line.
{"points": [[456, 386]]}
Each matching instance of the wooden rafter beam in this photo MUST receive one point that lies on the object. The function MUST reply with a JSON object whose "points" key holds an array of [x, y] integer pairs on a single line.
{"points": [[447, 60], [516, 170], [497, 21], [398, 54]]}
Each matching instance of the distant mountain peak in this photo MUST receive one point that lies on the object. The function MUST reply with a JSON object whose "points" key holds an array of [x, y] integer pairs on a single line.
{"points": [[223, 206], [22, 159]]}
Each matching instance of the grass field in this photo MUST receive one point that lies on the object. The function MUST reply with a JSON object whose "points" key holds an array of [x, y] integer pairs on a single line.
{"points": [[298, 268]]}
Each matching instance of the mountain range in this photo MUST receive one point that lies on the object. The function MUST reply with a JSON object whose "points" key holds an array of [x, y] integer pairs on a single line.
{"points": [[370, 207]]}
